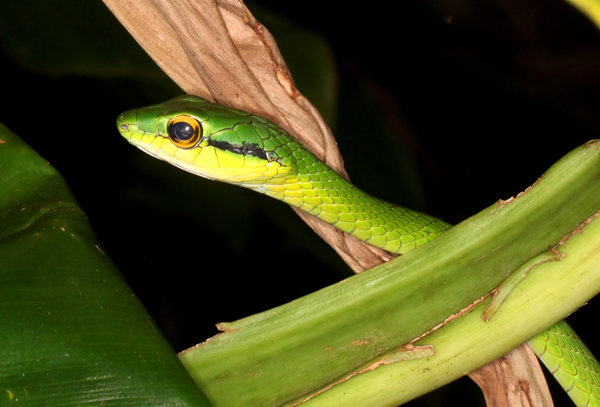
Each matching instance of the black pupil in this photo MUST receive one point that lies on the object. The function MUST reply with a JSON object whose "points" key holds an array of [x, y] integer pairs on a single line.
{"points": [[181, 131]]}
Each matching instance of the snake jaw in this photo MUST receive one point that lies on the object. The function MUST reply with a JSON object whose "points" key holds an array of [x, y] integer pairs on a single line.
{"points": [[161, 155]]}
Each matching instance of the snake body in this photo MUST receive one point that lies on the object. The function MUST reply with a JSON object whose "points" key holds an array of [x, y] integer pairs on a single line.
{"points": [[239, 148]]}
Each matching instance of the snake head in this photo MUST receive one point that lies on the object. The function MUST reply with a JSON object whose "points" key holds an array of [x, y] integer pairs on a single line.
{"points": [[211, 141]]}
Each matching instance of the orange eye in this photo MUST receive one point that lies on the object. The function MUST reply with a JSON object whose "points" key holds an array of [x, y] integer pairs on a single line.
{"points": [[184, 131]]}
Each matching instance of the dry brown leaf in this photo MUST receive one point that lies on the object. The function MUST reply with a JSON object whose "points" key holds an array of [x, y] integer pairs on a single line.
{"points": [[515, 380], [217, 50]]}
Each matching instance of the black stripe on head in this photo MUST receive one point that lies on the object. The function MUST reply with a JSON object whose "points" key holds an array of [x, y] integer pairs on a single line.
{"points": [[245, 149]]}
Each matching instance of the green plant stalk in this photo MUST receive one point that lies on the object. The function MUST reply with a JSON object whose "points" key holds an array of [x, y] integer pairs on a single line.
{"points": [[550, 292], [294, 350]]}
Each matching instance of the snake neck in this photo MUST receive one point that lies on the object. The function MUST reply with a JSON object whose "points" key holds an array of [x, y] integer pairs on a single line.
{"points": [[315, 188]]}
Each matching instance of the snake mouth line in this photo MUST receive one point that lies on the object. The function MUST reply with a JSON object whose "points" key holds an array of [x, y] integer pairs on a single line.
{"points": [[154, 152]]}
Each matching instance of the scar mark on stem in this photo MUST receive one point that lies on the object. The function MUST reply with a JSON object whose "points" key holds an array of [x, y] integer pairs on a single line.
{"points": [[577, 230], [502, 202], [453, 316], [415, 351]]}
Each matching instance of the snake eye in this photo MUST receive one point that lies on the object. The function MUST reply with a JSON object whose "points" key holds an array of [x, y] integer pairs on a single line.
{"points": [[184, 131]]}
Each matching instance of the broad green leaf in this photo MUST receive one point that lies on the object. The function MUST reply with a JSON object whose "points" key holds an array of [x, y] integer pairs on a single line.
{"points": [[72, 332]]}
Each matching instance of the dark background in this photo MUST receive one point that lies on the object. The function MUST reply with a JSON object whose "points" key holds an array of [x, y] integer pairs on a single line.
{"points": [[444, 107]]}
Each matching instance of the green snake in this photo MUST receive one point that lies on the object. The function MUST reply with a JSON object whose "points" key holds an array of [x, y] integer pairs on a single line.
{"points": [[236, 147]]}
